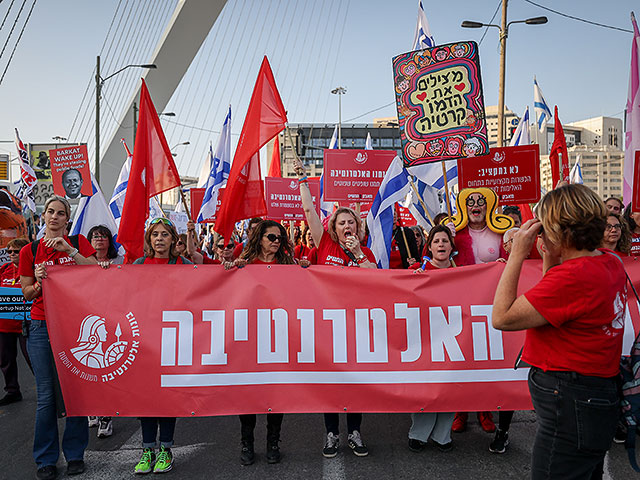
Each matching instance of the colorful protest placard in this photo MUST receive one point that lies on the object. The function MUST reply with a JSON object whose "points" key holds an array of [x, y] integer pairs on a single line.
{"points": [[283, 198], [70, 172], [354, 175], [512, 172], [440, 103], [13, 305]]}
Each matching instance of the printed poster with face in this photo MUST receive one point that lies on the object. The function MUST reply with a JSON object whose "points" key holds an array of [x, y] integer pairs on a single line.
{"points": [[440, 103], [70, 172]]}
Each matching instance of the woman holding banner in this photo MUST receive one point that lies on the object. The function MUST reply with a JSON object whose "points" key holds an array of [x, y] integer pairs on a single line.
{"points": [[574, 320], [436, 426], [339, 245], [160, 241], [55, 248]]}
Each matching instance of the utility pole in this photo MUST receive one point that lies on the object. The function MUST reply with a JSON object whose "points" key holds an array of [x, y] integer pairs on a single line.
{"points": [[98, 88], [135, 123], [504, 32]]}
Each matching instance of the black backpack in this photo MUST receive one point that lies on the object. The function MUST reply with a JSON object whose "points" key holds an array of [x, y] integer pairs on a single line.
{"points": [[74, 239]]}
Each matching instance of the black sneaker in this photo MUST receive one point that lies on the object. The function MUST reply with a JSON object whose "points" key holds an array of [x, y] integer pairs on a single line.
{"points": [[247, 455], [75, 467], [444, 447], [500, 442], [416, 445], [357, 445], [50, 472], [621, 433], [273, 450], [331, 445], [10, 398]]}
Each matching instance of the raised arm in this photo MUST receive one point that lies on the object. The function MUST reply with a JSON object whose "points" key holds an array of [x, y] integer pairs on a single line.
{"points": [[313, 219]]}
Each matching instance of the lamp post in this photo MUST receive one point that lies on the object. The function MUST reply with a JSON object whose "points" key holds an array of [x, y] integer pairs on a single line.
{"points": [[99, 83], [504, 33], [339, 91]]}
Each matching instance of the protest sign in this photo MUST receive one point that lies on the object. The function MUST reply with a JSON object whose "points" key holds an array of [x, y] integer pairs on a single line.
{"points": [[70, 172], [512, 172], [440, 103], [635, 199], [180, 220], [13, 305], [234, 342], [196, 196], [283, 198], [354, 175]]}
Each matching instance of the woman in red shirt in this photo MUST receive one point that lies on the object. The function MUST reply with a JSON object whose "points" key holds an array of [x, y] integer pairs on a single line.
{"points": [[306, 244], [55, 248], [616, 235], [574, 319], [11, 329], [160, 242], [338, 245]]}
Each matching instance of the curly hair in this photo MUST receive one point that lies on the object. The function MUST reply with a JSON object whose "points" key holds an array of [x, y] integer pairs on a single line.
{"points": [[573, 216], [624, 242], [148, 249], [331, 227], [104, 231], [284, 255]]}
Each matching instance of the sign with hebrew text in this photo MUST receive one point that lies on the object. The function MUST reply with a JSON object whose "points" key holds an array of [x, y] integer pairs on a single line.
{"points": [[440, 103]]}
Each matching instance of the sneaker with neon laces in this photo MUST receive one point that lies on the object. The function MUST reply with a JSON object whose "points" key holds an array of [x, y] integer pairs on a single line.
{"points": [[460, 422], [93, 422], [331, 445], [105, 428], [357, 445], [486, 422], [164, 460], [500, 442], [145, 465]]}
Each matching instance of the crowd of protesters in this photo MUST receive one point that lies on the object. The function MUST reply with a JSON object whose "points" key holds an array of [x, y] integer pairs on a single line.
{"points": [[575, 243]]}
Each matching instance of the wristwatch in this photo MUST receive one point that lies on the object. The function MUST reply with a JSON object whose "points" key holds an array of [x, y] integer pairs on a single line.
{"points": [[361, 258]]}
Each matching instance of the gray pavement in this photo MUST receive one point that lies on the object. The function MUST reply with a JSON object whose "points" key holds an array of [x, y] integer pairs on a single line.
{"points": [[209, 448]]}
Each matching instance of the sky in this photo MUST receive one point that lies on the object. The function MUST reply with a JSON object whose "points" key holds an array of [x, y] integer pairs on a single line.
{"points": [[313, 47]]}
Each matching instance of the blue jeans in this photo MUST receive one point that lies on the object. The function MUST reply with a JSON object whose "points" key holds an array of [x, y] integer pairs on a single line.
{"points": [[46, 448], [577, 417], [149, 426]]}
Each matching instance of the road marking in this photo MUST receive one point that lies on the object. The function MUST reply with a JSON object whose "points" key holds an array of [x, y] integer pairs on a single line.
{"points": [[606, 475]]}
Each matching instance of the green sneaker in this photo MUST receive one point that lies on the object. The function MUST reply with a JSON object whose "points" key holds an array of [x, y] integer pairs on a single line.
{"points": [[164, 462], [145, 465]]}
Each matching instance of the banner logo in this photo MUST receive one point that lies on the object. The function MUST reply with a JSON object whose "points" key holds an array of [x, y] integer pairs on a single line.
{"points": [[498, 157], [361, 158]]}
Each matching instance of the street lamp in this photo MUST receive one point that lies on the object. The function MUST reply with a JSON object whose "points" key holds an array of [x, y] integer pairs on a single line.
{"points": [[504, 33], [58, 138], [339, 91], [99, 83], [182, 143]]}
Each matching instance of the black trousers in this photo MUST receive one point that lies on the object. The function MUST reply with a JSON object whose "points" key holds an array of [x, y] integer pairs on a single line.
{"points": [[9, 359], [332, 422], [248, 425]]}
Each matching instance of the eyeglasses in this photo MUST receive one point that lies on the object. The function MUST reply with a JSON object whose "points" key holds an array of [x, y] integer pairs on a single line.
{"points": [[228, 247], [166, 221], [611, 226], [14, 252], [98, 236], [479, 202], [272, 237]]}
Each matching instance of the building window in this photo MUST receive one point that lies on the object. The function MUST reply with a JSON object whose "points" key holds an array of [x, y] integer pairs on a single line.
{"points": [[387, 142]]}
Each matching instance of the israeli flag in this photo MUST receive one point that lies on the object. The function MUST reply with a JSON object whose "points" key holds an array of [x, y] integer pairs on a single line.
{"points": [[221, 165], [394, 188], [427, 195], [368, 145], [423, 38], [540, 107], [431, 174], [333, 144], [575, 176], [521, 135]]}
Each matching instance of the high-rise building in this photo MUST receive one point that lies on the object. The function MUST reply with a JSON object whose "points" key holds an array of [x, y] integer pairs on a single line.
{"points": [[511, 121]]}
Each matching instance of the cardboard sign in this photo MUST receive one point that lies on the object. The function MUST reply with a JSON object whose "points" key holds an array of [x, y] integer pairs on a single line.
{"points": [[179, 220], [196, 197], [635, 199], [13, 305], [354, 175], [512, 172], [70, 172], [283, 198], [440, 103]]}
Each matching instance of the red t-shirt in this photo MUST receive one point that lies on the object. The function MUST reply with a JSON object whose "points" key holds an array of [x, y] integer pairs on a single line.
{"points": [[238, 250], [431, 266], [257, 261], [395, 257], [10, 277], [161, 261], [48, 256], [301, 252], [331, 253], [584, 301], [313, 256], [635, 245]]}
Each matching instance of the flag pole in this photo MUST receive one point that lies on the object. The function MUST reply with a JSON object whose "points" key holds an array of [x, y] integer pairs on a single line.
{"points": [[184, 201], [426, 210], [446, 189]]}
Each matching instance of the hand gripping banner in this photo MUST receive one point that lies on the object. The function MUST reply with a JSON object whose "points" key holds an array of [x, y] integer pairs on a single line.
{"points": [[184, 340]]}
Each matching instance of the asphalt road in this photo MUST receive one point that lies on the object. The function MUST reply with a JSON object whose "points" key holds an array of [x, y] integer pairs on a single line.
{"points": [[209, 448]]}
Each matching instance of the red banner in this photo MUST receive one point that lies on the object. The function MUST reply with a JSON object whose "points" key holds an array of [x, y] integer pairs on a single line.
{"points": [[512, 172], [635, 199], [354, 175], [283, 198], [242, 341]]}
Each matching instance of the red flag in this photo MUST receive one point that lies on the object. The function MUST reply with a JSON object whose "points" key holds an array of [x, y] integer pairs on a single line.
{"points": [[275, 170], [152, 172], [559, 153], [266, 117]]}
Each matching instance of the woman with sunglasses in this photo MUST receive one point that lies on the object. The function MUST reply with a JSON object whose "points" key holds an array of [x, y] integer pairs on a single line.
{"points": [[574, 322], [101, 240], [11, 329], [160, 241], [617, 236], [339, 245], [55, 248], [268, 244]]}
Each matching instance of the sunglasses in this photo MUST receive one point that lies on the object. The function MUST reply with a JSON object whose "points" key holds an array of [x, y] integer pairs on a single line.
{"points": [[272, 237], [228, 247], [179, 242], [166, 221], [479, 202], [13, 251]]}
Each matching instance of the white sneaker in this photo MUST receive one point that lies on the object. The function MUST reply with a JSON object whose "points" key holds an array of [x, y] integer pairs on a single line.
{"points": [[93, 422], [105, 429]]}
